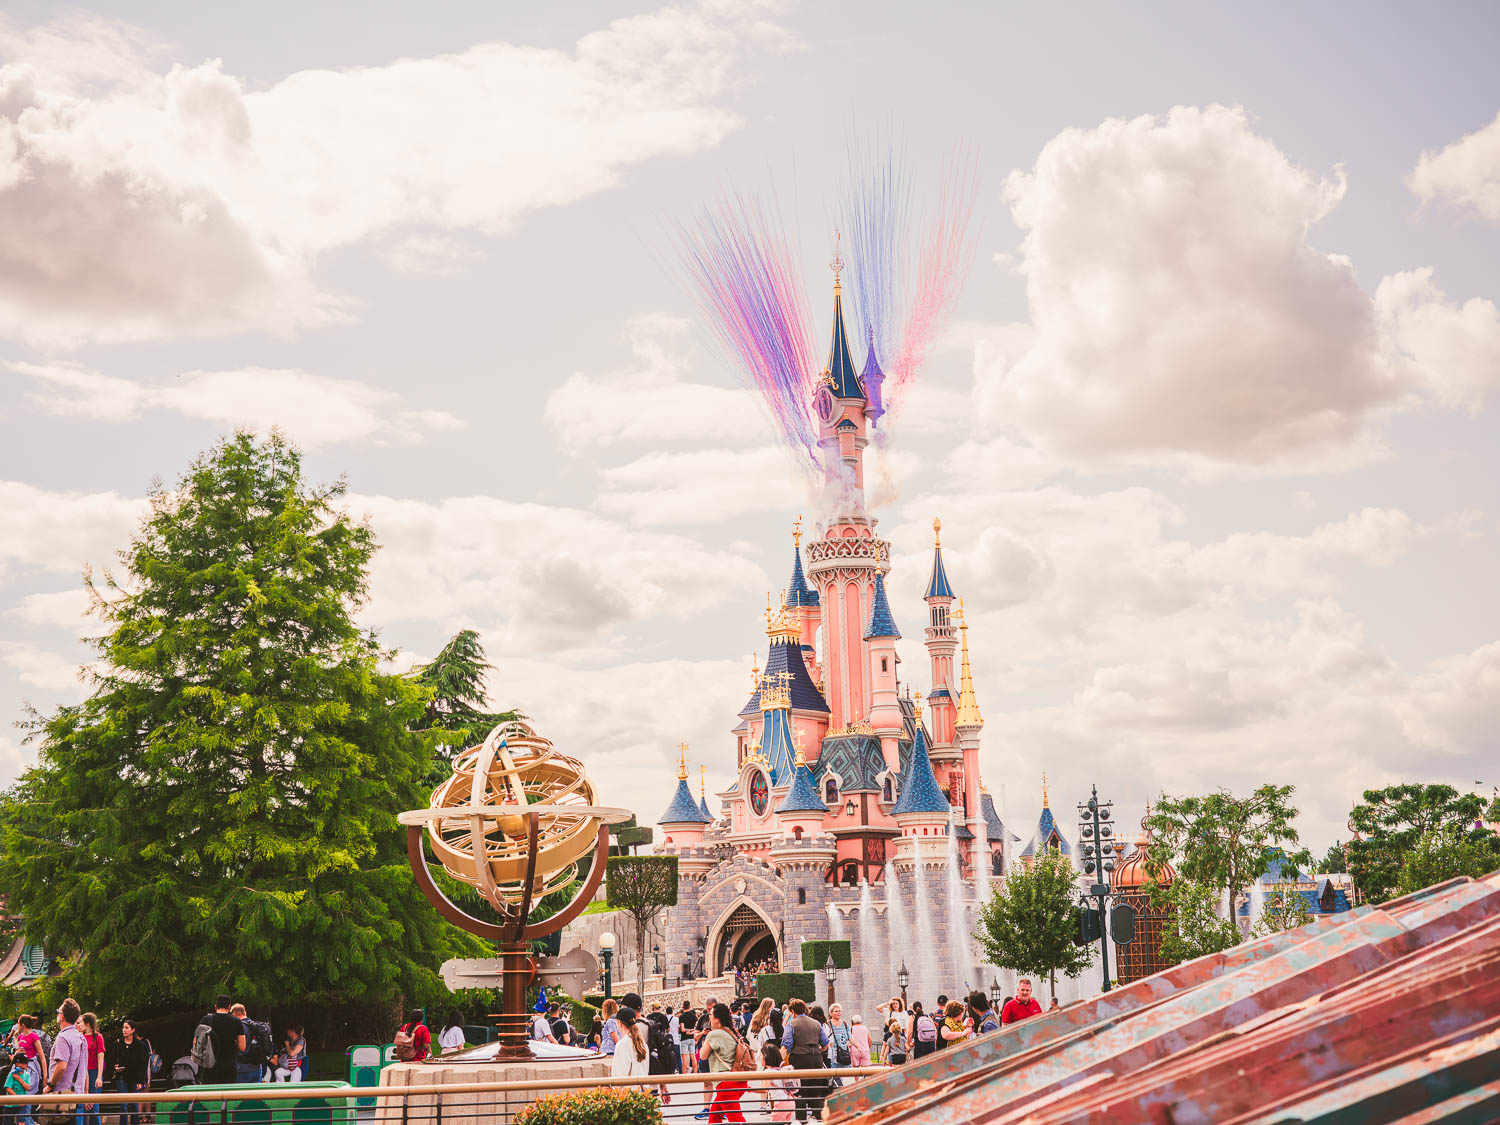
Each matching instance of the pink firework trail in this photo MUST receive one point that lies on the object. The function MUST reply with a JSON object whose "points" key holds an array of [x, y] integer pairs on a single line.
{"points": [[876, 218], [740, 270], [942, 264]]}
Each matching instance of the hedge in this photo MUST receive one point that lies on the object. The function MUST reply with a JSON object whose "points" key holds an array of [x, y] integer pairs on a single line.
{"points": [[782, 987], [815, 955], [600, 1106]]}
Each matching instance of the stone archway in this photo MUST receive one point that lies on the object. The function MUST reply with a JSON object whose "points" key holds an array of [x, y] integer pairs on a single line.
{"points": [[742, 927]]}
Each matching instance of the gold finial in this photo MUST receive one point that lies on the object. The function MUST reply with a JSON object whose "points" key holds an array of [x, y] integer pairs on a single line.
{"points": [[968, 706], [682, 761], [801, 759], [703, 781], [937, 533], [797, 532], [754, 672], [1044, 789], [963, 622], [768, 607], [916, 711], [837, 265]]}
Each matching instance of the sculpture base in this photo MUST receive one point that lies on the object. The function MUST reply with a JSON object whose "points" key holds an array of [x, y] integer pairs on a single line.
{"points": [[454, 1070]]}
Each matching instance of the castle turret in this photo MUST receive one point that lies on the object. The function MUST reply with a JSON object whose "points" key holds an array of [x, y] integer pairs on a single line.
{"points": [[941, 640], [802, 603], [703, 792], [880, 637], [967, 723], [873, 379], [685, 819], [921, 810], [802, 811], [1048, 835]]}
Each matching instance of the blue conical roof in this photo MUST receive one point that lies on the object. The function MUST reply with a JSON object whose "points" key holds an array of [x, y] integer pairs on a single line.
{"points": [[776, 744], [919, 787], [882, 623], [803, 795], [1047, 835], [937, 586], [994, 829], [684, 809], [703, 807], [786, 656], [799, 593], [842, 380], [873, 377]]}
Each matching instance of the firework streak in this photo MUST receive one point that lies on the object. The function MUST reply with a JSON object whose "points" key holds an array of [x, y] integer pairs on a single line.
{"points": [[876, 218], [741, 272], [942, 263]]}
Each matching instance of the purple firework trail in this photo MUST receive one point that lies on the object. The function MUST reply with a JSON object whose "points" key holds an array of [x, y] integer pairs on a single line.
{"points": [[741, 271], [876, 215]]}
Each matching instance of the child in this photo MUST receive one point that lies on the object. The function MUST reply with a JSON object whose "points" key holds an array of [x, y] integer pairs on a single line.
{"points": [[781, 1093], [895, 1044]]}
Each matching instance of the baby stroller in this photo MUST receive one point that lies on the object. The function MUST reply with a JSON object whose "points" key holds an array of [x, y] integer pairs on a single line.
{"points": [[184, 1072]]}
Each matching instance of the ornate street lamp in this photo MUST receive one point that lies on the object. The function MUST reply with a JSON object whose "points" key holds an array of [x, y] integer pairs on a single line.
{"points": [[996, 995], [656, 955], [607, 951], [830, 974], [903, 978]]}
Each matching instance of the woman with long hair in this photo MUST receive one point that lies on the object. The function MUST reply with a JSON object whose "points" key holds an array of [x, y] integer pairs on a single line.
{"points": [[94, 1078], [609, 1032], [632, 1057], [452, 1037], [130, 1067], [923, 1032], [719, 1048], [760, 1025]]}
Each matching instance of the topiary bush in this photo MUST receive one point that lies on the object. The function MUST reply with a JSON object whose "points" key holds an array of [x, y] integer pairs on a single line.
{"points": [[782, 987], [815, 955], [602, 1106]]}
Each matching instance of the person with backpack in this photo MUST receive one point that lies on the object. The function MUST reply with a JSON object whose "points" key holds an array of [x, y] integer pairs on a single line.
{"points": [[724, 1050], [985, 1020], [632, 1056], [923, 1032], [413, 1040], [70, 1055], [218, 1041], [250, 1064]]}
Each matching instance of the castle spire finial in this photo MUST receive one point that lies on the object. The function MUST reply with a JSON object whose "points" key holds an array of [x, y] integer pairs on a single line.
{"points": [[682, 761], [968, 706], [837, 265], [1044, 789], [797, 532], [703, 781], [937, 532]]}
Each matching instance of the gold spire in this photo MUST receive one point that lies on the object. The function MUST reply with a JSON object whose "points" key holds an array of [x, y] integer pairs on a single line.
{"points": [[703, 781], [754, 672], [801, 759], [1044, 789], [797, 532], [937, 533], [916, 711], [968, 706], [682, 761], [837, 265]]}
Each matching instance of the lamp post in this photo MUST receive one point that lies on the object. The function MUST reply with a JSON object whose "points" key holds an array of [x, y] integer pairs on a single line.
{"points": [[607, 951], [656, 957], [830, 974], [996, 995], [903, 978], [1098, 861]]}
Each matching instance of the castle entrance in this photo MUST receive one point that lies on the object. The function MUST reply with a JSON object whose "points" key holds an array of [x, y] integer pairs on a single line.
{"points": [[741, 936]]}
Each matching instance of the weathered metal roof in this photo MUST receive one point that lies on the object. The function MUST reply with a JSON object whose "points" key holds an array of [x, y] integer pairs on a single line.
{"points": [[1387, 1013]]}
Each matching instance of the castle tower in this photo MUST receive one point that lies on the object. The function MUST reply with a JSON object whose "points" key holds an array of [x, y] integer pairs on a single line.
{"points": [[802, 602], [921, 810], [801, 812], [880, 637], [1048, 835], [941, 641], [685, 819], [873, 378], [967, 723]]}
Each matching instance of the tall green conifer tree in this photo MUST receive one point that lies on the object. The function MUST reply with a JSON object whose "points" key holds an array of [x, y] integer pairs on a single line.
{"points": [[219, 814]]}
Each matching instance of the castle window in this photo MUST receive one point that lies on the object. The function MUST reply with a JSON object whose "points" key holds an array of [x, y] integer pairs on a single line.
{"points": [[801, 895], [888, 791], [830, 791], [885, 664], [995, 865], [796, 833], [939, 616]]}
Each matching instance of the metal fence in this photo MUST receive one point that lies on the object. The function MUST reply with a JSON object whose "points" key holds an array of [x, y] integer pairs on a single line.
{"points": [[755, 1096]]}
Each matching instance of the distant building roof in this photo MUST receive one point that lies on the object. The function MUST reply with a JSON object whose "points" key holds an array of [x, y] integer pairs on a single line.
{"points": [[803, 796]]}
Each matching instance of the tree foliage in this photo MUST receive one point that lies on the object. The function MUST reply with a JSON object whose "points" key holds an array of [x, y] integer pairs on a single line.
{"points": [[1027, 925], [454, 682], [1223, 841], [219, 813], [642, 886], [1389, 822], [1284, 909], [1445, 853], [1194, 928]]}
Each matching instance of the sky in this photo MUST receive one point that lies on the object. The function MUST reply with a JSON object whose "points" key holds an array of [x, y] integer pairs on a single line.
{"points": [[1211, 427]]}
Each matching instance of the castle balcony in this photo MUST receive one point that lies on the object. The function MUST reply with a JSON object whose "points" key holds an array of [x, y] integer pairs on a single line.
{"points": [[854, 552]]}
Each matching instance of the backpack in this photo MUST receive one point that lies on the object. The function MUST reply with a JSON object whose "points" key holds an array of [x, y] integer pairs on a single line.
{"points": [[202, 1053], [659, 1048], [153, 1062], [926, 1029], [257, 1041], [404, 1041], [990, 1023], [744, 1058], [840, 1045]]}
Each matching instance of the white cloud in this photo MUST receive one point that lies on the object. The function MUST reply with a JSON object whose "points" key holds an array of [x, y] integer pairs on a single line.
{"points": [[13, 759], [1180, 314], [62, 609], [311, 409], [1466, 173], [63, 531], [431, 255], [39, 667], [537, 575], [705, 486], [650, 401], [140, 200]]}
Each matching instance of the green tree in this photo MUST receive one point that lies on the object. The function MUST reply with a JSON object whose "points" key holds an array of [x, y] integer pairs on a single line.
{"points": [[1444, 853], [1194, 928], [1223, 841], [219, 813], [1335, 859], [1284, 909], [1027, 925], [642, 886], [1389, 822], [454, 682]]}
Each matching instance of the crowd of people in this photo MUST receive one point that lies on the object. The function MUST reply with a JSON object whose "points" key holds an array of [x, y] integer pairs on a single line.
{"points": [[744, 975], [230, 1046], [746, 1034]]}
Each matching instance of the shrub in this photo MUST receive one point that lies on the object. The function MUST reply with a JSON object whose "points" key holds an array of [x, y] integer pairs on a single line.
{"points": [[602, 1106], [815, 955], [782, 987]]}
